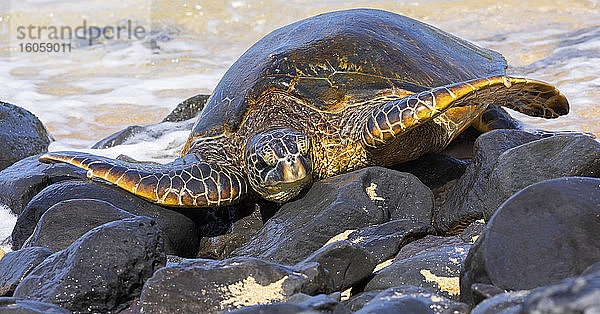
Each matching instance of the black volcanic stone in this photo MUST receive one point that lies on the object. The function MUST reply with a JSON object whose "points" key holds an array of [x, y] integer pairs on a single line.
{"points": [[545, 233], [572, 295], [411, 299], [549, 158], [384, 241], [351, 201], [102, 271], [208, 286], [275, 308], [187, 109], [435, 269], [68, 220], [25, 178], [465, 203], [15, 265], [434, 170], [347, 263], [180, 232], [23, 306], [241, 231], [507, 303], [322, 302], [22, 134]]}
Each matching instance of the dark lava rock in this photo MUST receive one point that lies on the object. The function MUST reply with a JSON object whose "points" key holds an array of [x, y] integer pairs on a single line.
{"points": [[242, 231], [434, 170], [482, 291], [322, 302], [275, 308], [14, 266], [188, 109], [208, 286], [27, 177], [347, 263], [549, 158], [120, 137], [429, 243], [68, 220], [545, 233], [573, 295], [180, 232], [351, 201], [356, 302], [22, 306], [136, 134], [473, 231], [436, 270], [102, 271], [594, 268], [466, 202], [384, 241], [22, 134], [411, 299], [506, 303]]}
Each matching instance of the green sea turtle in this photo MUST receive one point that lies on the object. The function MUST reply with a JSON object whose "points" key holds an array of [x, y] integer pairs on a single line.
{"points": [[327, 95]]}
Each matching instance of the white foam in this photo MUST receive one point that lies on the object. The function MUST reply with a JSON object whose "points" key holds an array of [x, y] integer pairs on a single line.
{"points": [[7, 223]]}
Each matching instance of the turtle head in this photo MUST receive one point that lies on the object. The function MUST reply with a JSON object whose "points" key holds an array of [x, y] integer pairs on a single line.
{"points": [[279, 164]]}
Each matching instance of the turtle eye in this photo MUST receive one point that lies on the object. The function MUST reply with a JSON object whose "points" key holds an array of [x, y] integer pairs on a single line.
{"points": [[303, 145], [268, 155]]}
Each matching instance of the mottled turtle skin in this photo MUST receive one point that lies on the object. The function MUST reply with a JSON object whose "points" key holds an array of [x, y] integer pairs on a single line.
{"points": [[327, 95]]}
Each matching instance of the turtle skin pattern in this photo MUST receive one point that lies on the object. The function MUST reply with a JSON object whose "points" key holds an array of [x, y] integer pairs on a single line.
{"points": [[190, 184], [530, 97]]}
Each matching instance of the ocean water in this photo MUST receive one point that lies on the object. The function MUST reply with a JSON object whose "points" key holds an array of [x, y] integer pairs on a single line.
{"points": [[102, 86]]}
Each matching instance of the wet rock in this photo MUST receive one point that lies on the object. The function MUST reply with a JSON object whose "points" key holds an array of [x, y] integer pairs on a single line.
{"points": [[466, 200], [120, 137], [135, 134], [275, 308], [411, 299], [549, 158], [573, 295], [384, 241], [356, 302], [22, 134], [434, 170], [509, 302], [347, 263], [332, 206], [68, 220], [322, 302], [14, 266], [473, 231], [435, 269], [180, 232], [203, 286], [482, 291], [242, 231], [25, 178], [545, 233], [22, 306], [594, 268], [428, 243], [187, 109], [102, 271]]}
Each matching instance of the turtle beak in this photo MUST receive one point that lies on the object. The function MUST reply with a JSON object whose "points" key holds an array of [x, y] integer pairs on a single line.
{"points": [[291, 169]]}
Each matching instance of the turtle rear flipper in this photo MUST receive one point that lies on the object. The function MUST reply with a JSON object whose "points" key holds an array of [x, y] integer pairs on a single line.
{"points": [[530, 97], [193, 184]]}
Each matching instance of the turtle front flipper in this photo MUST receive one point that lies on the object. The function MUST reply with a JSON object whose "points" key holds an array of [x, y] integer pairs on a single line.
{"points": [[530, 97], [191, 184]]}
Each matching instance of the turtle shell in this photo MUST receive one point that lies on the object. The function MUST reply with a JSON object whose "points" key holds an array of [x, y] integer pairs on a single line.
{"points": [[343, 57]]}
